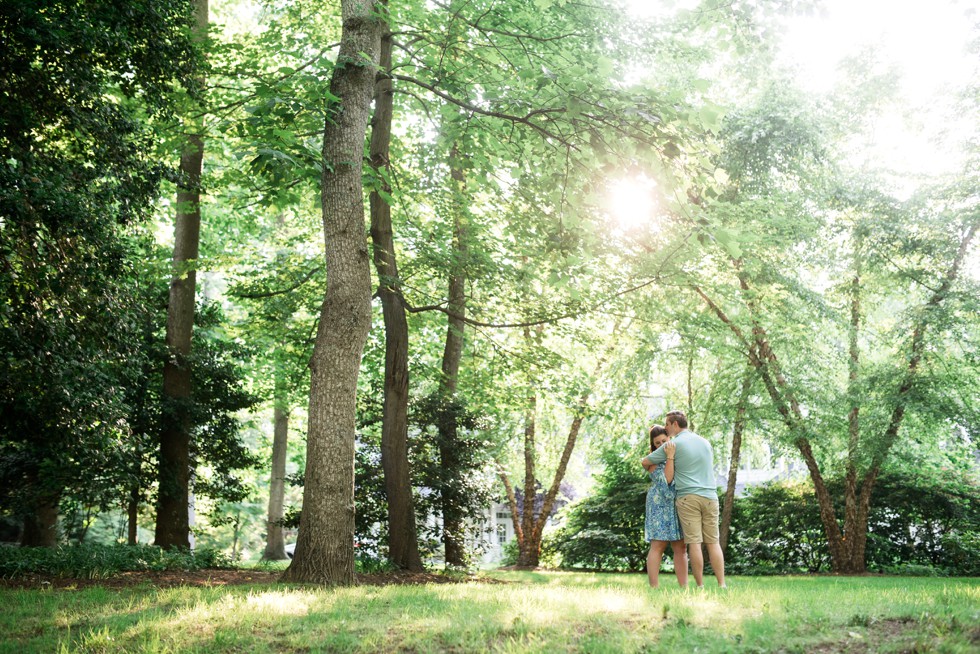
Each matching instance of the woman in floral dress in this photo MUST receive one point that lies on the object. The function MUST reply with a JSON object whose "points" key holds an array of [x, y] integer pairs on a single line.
{"points": [[662, 526]]}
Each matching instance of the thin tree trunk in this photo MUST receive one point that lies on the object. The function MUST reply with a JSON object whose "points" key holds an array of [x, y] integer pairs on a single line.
{"points": [[853, 529], [847, 549], [512, 503], [403, 547], [325, 548], [132, 513], [737, 431], [690, 390], [917, 350], [527, 555], [275, 544], [172, 522], [533, 525], [764, 361], [452, 520]]}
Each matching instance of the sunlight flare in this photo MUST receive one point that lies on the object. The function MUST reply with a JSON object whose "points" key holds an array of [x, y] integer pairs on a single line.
{"points": [[630, 202]]}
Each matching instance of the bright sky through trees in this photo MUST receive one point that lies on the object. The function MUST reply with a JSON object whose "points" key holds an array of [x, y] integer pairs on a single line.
{"points": [[926, 42], [631, 203]]}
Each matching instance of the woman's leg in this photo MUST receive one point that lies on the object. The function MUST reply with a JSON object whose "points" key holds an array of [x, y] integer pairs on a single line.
{"points": [[654, 557], [680, 562]]}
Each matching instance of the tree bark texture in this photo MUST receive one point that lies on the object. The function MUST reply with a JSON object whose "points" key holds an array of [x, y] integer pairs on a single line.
{"points": [[855, 526], [452, 520], [172, 523], [512, 503], [525, 535], [325, 547], [275, 543], [403, 549]]}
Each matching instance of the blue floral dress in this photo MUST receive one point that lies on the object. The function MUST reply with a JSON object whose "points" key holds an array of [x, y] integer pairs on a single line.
{"points": [[661, 518]]}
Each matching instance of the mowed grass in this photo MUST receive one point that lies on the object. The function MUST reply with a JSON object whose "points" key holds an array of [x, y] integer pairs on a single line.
{"points": [[527, 612]]}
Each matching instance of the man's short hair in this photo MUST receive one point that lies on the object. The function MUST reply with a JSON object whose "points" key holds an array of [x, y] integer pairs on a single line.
{"points": [[678, 417]]}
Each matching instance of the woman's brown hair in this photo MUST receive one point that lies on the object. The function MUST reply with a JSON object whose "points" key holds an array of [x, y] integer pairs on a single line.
{"points": [[655, 431]]}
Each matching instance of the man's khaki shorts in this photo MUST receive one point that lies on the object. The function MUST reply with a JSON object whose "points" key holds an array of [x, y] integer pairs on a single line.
{"points": [[699, 519]]}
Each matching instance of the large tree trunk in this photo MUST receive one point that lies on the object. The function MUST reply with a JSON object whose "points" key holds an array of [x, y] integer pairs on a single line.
{"points": [[325, 548], [736, 455], [452, 521], [41, 526], [275, 543], [172, 522], [403, 549]]}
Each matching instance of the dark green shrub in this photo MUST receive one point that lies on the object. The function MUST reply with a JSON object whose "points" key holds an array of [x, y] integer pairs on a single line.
{"points": [[912, 570], [370, 564], [509, 553], [605, 530], [103, 561], [551, 556], [916, 525], [776, 529], [962, 552]]}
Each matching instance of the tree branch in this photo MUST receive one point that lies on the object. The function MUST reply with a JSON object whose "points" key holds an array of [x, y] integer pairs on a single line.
{"points": [[524, 120], [256, 296]]}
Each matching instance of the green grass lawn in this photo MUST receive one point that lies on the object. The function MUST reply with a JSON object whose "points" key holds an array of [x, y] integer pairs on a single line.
{"points": [[528, 612]]}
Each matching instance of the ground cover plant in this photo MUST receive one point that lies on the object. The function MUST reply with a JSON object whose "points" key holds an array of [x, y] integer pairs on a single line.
{"points": [[503, 611]]}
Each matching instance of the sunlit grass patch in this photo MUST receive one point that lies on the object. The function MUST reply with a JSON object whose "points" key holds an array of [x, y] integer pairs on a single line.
{"points": [[533, 612]]}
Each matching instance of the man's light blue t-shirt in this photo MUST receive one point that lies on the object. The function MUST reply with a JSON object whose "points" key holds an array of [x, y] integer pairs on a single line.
{"points": [[694, 468]]}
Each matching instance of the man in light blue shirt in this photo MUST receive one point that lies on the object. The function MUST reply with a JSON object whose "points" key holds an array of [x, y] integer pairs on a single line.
{"points": [[697, 497]]}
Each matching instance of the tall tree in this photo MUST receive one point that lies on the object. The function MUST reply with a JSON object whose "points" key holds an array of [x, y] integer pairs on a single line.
{"points": [[734, 458], [453, 534], [529, 520], [173, 501], [403, 549], [772, 169], [80, 84], [275, 544], [325, 548]]}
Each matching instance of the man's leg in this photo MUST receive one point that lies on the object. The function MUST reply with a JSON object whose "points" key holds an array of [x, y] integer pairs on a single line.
{"points": [[689, 515], [697, 563], [710, 532], [654, 557], [680, 562], [717, 558]]}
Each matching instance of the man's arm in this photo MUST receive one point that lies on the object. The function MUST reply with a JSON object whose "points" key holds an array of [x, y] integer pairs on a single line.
{"points": [[654, 458]]}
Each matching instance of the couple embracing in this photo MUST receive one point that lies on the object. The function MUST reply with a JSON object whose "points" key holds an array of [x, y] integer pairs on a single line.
{"points": [[682, 503]]}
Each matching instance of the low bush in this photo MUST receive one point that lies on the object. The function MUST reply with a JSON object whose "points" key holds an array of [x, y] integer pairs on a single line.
{"points": [[103, 561], [605, 530], [912, 570], [917, 525]]}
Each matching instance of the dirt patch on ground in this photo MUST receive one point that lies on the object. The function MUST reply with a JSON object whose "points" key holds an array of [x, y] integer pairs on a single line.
{"points": [[871, 638], [213, 578]]}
